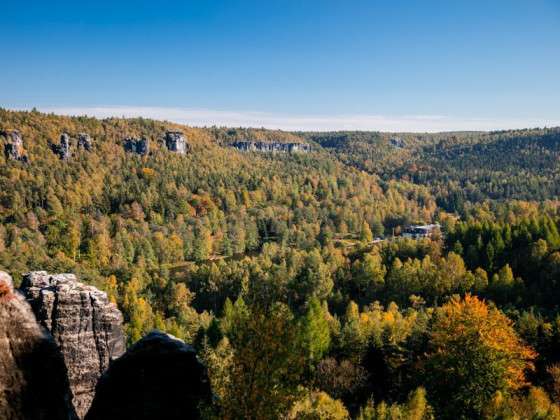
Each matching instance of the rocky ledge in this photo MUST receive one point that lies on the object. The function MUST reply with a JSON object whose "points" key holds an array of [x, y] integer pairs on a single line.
{"points": [[62, 345], [33, 381], [86, 326]]}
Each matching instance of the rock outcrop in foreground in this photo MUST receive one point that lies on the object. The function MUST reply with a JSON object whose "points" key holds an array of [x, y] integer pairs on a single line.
{"points": [[33, 382], [159, 377], [86, 326], [251, 146]]}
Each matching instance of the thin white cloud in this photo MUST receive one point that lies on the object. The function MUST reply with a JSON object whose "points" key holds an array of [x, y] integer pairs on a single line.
{"points": [[207, 117]]}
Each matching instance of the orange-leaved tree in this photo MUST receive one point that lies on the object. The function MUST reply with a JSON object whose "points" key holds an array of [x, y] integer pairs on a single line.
{"points": [[474, 352]]}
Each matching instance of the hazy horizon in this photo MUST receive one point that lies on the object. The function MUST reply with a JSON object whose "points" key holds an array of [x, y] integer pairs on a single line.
{"points": [[317, 123]]}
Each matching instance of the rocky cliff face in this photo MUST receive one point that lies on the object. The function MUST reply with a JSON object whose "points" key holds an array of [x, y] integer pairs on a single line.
{"points": [[83, 323], [13, 149], [64, 147], [251, 146], [66, 144], [138, 146], [397, 142], [175, 142], [33, 381], [159, 377], [85, 142]]}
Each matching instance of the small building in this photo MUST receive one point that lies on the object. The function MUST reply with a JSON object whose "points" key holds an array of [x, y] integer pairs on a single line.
{"points": [[421, 231]]}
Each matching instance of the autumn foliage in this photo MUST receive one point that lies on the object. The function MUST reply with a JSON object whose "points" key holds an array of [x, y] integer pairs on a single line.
{"points": [[474, 352], [328, 320]]}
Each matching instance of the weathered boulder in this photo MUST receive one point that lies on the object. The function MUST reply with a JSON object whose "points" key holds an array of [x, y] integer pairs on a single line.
{"points": [[139, 146], [82, 321], [175, 142], [159, 377], [33, 381], [85, 142], [13, 149], [271, 147]]}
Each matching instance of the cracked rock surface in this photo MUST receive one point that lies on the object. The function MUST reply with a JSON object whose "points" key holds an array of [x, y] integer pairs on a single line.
{"points": [[84, 324], [33, 382]]}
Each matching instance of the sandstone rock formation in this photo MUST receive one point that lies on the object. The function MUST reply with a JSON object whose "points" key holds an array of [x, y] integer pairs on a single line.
{"points": [[64, 147], [138, 146], [397, 142], [85, 142], [175, 142], [251, 146], [33, 381], [159, 377], [13, 149], [86, 326]]}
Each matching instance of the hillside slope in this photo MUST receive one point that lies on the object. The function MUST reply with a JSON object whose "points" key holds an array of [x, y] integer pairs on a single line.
{"points": [[118, 219], [458, 167]]}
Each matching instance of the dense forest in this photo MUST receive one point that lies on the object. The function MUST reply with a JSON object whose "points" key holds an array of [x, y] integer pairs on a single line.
{"points": [[458, 167], [289, 272]]}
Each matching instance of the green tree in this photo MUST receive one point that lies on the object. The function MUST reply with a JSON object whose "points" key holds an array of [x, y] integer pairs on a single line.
{"points": [[312, 280], [368, 278], [504, 287], [202, 244], [267, 362], [365, 234], [315, 331]]}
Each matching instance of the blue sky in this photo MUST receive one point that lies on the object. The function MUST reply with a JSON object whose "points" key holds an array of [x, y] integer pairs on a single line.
{"points": [[392, 65]]}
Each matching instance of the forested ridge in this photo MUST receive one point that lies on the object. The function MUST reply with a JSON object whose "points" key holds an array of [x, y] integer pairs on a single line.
{"points": [[458, 167], [267, 263]]}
